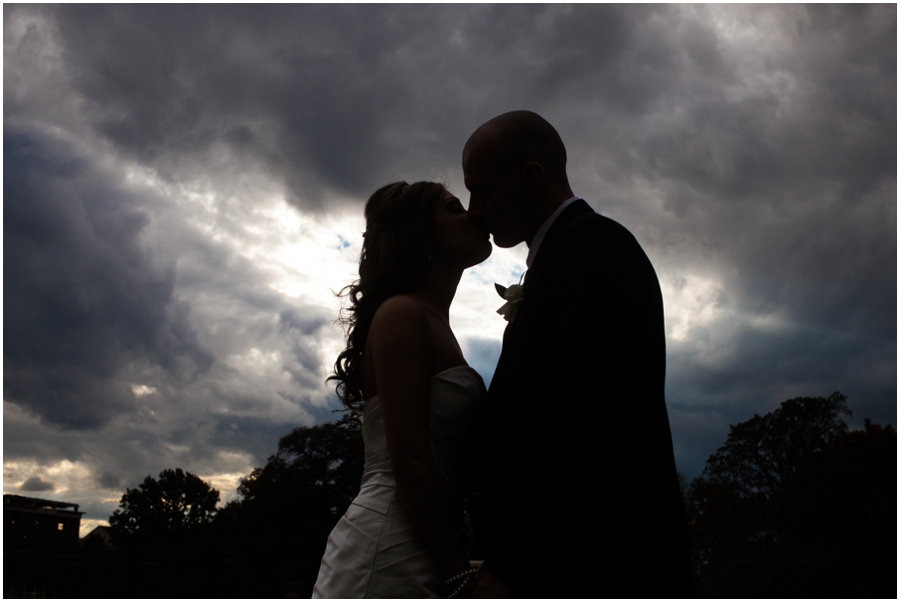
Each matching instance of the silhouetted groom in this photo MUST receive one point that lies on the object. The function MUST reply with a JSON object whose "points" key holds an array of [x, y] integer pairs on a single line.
{"points": [[575, 493]]}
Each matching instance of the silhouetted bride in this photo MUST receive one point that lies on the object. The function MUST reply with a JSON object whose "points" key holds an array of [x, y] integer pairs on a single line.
{"points": [[404, 534]]}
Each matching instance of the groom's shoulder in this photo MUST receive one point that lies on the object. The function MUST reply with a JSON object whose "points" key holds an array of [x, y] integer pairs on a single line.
{"points": [[589, 228]]}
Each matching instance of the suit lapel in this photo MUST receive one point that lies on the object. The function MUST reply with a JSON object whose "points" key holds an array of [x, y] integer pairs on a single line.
{"points": [[513, 329]]}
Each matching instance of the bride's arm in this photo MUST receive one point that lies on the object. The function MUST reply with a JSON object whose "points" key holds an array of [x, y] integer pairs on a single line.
{"points": [[402, 353]]}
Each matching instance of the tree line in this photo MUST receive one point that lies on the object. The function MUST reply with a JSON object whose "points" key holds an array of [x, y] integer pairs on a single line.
{"points": [[794, 504]]}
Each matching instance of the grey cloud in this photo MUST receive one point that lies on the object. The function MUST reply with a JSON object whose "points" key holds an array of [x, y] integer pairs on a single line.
{"points": [[323, 98], [107, 480], [36, 484], [84, 302], [179, 87], [255, 435], [306, 367], [727, 373], [160, 341]]}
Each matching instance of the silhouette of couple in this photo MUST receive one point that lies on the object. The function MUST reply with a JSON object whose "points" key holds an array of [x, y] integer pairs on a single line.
{"points": [[566, 461]]}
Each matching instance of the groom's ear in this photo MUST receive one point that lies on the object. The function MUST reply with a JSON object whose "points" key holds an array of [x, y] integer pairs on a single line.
{"points": [[535, 177]]}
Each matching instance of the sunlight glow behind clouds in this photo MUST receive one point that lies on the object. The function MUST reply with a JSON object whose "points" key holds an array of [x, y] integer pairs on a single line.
{"points": [[141, 390], [66, 476], [689, 301]]}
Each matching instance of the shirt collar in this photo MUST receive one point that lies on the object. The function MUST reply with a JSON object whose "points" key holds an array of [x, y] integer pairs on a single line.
{"points": [[542, 231]]}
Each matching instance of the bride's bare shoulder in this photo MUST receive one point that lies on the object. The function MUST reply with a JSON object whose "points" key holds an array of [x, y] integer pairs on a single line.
{"points": [[400, 303], [400, 332], [399, 312]]}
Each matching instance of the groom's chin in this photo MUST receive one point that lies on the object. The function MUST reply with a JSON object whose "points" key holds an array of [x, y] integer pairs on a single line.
{"points": [[504, 242]]}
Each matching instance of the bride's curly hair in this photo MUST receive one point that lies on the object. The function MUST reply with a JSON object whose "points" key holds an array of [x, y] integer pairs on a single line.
{"points": [[396, 245]]}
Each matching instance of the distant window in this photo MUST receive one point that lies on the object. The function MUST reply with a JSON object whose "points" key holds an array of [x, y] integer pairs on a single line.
{"points": [[59, 527]]}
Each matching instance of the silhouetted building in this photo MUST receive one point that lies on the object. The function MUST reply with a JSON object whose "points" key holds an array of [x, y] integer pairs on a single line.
{"points": [[39, 525], [98, 541]]}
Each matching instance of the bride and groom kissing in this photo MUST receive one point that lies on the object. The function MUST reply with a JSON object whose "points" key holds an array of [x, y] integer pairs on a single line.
{"points": [[565, 464]]}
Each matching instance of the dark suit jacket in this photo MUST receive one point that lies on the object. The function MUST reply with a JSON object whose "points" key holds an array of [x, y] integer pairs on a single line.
{"points": [[576, 493]]}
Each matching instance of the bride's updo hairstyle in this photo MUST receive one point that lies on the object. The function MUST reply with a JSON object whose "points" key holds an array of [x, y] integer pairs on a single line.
{"points": [[396, 244]]}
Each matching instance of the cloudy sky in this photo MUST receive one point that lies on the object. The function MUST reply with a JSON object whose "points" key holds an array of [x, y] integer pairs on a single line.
{"points": [[183, 190]]}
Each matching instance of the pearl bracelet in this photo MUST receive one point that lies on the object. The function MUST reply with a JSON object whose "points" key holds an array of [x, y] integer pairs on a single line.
{"points": [[461, 586], [468, 573]]}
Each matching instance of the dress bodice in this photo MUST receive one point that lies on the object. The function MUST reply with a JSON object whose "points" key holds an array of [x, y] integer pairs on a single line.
{"points": [[456, 396], [375, 550]]}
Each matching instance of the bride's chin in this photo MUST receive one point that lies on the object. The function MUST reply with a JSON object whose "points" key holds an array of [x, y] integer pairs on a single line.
{"points": [[483, 256]]}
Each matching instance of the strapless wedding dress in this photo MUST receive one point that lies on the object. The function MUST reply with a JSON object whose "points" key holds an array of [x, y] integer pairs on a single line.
{"points": [[375, 551]]}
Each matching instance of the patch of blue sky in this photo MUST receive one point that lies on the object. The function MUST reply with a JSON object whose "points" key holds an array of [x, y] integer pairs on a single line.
{"points": [[482, 355], [498, 269]]}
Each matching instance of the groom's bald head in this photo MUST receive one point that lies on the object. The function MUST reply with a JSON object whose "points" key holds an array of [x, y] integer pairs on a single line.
{"points": [[517, 138], [515, 169]]}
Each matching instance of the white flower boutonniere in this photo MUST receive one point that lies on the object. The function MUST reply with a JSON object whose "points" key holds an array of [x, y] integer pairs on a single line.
{"points": [[514, 295]]}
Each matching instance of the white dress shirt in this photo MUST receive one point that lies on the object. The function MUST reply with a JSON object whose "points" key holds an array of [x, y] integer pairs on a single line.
{"points": [[542, 231]]}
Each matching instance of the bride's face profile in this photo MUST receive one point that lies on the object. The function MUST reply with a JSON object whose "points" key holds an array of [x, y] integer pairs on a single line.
{"points": [[456, 239]]}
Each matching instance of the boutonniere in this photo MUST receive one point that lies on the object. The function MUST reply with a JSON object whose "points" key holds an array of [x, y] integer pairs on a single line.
{"points": [[514, 295]]}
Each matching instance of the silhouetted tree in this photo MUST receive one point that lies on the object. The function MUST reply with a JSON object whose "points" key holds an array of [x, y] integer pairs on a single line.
{"points": [[788, 506], [733, 545], [289, 506], [277, 528], [838, 519], [163, 511], [765, 450], [323, 461]]}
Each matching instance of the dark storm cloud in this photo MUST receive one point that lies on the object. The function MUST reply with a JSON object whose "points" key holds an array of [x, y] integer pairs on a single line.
{"points": [[329, 90], [36, 484], [91, 311], [107, 480], [255, 435], [280, 90], [341, 98], [84, 304], [301, 329]]}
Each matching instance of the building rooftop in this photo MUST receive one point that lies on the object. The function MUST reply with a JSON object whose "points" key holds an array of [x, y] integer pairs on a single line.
{"points": [[20, 501]]}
